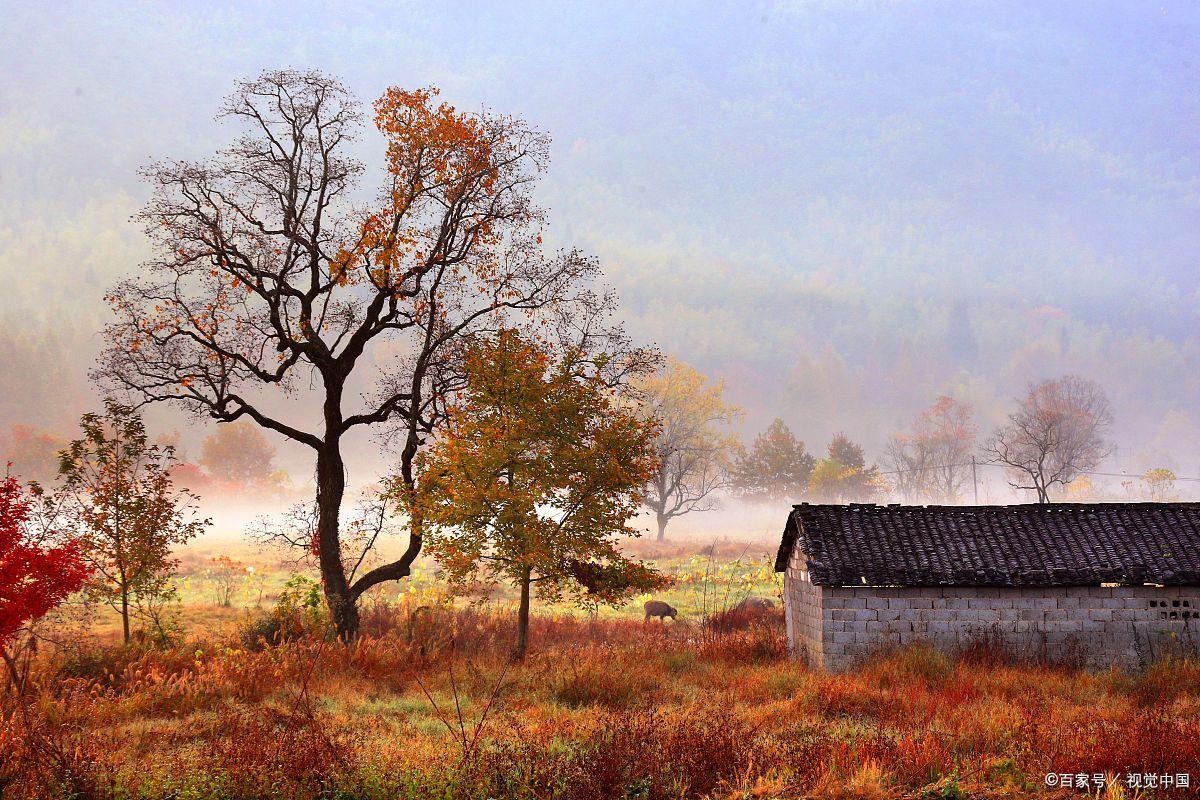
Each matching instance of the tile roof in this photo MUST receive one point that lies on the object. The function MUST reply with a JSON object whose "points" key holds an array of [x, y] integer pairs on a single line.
{"points": [[1056, 544]]}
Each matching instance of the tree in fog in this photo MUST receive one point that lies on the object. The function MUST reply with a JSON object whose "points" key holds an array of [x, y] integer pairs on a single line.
{"points": [[270, 277], [843, 475], [32, 453], [1058, 432], [933, 460], [694, 447], [776, 467], [240, 453], [1159, 485]]}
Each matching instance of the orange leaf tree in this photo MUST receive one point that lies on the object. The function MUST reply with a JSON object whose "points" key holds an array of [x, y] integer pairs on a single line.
{"points": [[537, 474], [270, 280]]}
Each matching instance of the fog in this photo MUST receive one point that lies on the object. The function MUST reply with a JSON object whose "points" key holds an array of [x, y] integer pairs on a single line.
{"points": [[843, 210]]}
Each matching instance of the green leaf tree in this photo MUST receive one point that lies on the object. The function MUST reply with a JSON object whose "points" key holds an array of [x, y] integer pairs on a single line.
{"points": [[843, 475], [777, 467], [130, 515]]}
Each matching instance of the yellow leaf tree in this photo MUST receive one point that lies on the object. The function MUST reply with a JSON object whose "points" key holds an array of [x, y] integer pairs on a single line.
{"points": [[694, 446], [535, 478]]}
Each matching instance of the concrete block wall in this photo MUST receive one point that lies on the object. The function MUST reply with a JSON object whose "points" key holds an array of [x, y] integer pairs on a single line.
{"points": [[1131, 626], [802, 610]]}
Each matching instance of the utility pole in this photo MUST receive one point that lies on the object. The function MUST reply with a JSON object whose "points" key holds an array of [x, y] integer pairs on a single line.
{"points": [[974, 480]]}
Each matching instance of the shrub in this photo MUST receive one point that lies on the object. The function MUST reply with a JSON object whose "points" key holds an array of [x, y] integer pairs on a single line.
{"points": [[599, 677]]}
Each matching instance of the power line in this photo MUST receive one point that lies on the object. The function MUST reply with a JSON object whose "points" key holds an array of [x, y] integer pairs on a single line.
{"points": [[973, 464]]}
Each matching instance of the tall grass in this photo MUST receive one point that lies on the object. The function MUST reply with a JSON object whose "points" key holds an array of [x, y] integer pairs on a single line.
{"points": [[427, 705]]}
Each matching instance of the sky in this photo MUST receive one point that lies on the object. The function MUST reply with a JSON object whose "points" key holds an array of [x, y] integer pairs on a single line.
{"points": [[841, 209]]}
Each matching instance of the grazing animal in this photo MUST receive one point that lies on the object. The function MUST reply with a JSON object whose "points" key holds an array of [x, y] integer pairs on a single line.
{"points": [[755, 604], [657, 608]]}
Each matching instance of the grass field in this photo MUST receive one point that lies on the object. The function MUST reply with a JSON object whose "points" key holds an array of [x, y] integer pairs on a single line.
{"points": [[427, 705], [708, 576]]}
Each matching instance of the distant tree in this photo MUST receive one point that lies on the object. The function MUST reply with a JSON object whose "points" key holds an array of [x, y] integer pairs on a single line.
{"points": [[225, 573], [38, 570], [118, 487], [1058, 432], [1159, 486], [776, 467], [693, 447], [33, 453], [933, 460], [535, 476], [270, 277], [1082, 490], [238, 453], [846, 452], [843, 475]]}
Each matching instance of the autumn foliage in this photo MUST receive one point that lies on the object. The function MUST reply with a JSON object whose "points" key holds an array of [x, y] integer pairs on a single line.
{"points": [[605, 710], [268, 275], [537, 475], [34, 577]]}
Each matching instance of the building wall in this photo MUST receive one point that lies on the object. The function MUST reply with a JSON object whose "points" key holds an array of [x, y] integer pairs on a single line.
{"points": [[802, 609], [1130, 626]]}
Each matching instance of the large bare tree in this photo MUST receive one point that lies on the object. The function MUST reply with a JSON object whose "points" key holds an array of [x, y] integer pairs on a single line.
{"points": [[1058, 432], [268, 280]]}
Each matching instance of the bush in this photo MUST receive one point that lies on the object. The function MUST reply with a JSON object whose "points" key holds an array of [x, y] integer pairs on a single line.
{"points": [[600, 678], [299, 613]]}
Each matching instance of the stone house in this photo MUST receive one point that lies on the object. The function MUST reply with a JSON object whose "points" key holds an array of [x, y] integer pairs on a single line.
{"points": [[1095, 584]]}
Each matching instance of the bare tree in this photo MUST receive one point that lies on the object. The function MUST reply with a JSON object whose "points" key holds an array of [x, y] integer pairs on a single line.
{"points": [[933, 460], [1058, 432], [267, 281], [693, 448]]}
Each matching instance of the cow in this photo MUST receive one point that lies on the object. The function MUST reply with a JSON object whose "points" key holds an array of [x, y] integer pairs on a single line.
{"points": [[657, 608]]}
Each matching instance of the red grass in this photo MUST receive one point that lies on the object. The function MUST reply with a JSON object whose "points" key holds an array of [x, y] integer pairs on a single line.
{"points": [[602, 710]]}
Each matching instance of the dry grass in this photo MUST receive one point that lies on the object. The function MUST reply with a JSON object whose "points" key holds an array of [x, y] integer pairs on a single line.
{"points": [[426, 705]]}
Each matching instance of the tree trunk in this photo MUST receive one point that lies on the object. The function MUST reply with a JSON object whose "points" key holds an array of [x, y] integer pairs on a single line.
{"points": [[13, 671], [523, 618], [125, 612], [662, 527], [331, 488]]}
